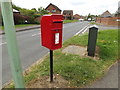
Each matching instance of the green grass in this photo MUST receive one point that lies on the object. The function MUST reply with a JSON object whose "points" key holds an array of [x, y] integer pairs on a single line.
{"points": [[23, 25], [80, 71], [94, 23], [70, 21], [19, 26]]}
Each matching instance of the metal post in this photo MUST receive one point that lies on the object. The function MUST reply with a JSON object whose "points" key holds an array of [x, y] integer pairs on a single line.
{"points": [[12, 46], [51, 66], [0, 54], [92, 40]]}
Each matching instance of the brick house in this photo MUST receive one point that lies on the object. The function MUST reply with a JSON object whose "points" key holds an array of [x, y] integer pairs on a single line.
{"points": [[68, 14], [53, 9], [108, 19], [106, 14], [77, 17]]}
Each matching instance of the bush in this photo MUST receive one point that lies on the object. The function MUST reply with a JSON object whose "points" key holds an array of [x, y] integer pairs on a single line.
{"points": [[18, 19]]}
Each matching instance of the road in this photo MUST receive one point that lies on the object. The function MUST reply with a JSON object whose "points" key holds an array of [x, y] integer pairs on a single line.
{"points": [[30, 47]]}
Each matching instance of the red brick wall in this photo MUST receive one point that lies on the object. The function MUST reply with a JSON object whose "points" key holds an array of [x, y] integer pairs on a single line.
{"points": [[50, 8], [108, 21]]}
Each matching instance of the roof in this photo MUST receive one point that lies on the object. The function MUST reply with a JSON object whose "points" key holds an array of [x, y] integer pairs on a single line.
{"points": [[76, 15], [53, 6], [106, 14], [15, 10]]}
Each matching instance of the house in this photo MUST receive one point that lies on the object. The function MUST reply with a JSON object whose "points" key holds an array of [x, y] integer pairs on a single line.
{"points": [[16, 11], [108, 19], [106, 14], [53, 9], [77, 17], [117, 14], [68, 14]]}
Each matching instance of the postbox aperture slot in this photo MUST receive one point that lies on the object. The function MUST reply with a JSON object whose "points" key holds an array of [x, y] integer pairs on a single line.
{"points": [[57, 21]]}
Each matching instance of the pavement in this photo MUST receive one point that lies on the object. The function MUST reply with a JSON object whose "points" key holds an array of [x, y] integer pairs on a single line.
{"points": [[109, 80], [23, 28]]}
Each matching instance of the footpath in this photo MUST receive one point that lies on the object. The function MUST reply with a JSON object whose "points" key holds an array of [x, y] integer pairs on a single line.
{"points": [[110, 79], [23, 28]]}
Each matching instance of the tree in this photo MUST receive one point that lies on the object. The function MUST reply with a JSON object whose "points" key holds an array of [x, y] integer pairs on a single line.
{"points": [[34, 9], [16, 7], [27, 12], [89, 17], [42, 11]]}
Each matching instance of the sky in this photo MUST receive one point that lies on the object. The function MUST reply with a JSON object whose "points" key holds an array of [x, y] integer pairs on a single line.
{"points": [[81, 7]]}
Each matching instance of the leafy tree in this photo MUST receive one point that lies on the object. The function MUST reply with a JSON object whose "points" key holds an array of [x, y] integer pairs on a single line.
{"points": [[27, 12], [16, 7], [42, 11], [34, 9]]}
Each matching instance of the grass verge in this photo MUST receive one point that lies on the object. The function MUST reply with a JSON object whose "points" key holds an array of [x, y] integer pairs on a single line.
{"points": [[70, 21], [94, 23], [80, 71], [19, 26]]}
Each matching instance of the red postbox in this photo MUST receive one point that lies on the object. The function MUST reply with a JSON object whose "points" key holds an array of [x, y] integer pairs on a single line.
{"points": [[51, 31]]}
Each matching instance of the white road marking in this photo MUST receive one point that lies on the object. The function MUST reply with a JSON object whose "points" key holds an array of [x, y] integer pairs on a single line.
{"points": [[81, 30], [3, 43], [85, 30], [36, 34]]}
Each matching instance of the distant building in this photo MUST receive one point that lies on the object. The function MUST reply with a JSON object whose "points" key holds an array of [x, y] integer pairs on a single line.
{"points": [[68, 14], [108, 19], [16, 11], [53, 9], [77, 17], [106, 14], [117, 14]]}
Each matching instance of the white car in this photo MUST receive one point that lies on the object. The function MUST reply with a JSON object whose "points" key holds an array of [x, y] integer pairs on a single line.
{"points": [[81, 20]]}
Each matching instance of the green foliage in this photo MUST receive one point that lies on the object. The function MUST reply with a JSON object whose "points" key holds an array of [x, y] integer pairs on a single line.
{"points": [[42, 11], [16, 7], [29, 14]]}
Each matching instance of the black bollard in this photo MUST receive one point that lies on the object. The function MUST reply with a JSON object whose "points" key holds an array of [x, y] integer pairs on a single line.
{"points": [[92, 38]]}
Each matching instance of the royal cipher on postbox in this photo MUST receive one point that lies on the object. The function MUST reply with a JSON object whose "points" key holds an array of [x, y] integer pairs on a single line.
{"points": [[51, 31]]}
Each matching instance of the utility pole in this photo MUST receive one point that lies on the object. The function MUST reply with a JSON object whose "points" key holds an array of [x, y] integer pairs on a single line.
{"points": [[12, 46]]}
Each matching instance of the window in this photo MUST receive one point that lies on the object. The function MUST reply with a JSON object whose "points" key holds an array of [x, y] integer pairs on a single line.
{"points": [[53, 10], [64, 13], [48, 10]]}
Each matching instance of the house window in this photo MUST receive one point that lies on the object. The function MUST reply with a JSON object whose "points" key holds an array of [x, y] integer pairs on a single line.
{"points": [[64, 13], [48, 10], [53, 10]]}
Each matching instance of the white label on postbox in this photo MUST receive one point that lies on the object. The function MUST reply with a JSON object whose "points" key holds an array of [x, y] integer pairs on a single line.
{"points": [[57, 38]]}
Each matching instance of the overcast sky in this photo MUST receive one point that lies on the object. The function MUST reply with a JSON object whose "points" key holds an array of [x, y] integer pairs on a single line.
{"points": [[82, 7]]}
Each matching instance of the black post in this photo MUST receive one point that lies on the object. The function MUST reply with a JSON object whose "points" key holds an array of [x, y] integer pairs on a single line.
{"points": [[93, 30], [51, 66]]}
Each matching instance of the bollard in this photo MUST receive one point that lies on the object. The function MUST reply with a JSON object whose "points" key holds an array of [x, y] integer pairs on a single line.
{"points": [[93, 30]]}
